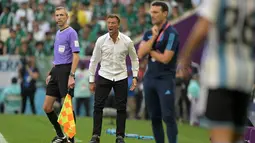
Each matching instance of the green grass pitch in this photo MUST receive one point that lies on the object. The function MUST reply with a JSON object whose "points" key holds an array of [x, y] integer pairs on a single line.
{"points": [[37, 129]]}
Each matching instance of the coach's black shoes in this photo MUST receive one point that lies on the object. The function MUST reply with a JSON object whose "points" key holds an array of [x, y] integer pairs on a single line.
{"points": [[120, 139], [95, 139], [58, 139]]}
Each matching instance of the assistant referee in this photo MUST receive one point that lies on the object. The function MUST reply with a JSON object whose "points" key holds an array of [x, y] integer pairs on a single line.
{"points": [[61, 77]]}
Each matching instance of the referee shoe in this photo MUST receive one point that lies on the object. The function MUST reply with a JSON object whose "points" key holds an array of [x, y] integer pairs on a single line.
{"points": [[58, 139]]}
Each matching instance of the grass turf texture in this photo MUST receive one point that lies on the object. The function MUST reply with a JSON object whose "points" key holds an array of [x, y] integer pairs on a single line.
{"points": [[37, 129]]}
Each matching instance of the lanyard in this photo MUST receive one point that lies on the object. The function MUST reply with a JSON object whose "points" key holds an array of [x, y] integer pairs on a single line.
{"points": [[160, 35], [162, 31]]}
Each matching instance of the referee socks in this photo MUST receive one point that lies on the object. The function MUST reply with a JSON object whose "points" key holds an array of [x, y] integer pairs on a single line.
{"points": [[54, 121]]}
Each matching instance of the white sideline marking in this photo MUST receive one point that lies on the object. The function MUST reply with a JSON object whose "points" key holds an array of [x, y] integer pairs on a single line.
{"points": [[2, 139], [77, 140]]}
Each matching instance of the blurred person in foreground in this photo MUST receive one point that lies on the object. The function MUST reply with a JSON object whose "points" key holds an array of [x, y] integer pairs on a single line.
{"points": [[61, 77], [227, 65], [111, 51], [161, 43]]}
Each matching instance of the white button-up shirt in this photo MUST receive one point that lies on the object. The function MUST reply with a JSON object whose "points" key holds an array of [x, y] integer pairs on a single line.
{"points": [[112, 58]]}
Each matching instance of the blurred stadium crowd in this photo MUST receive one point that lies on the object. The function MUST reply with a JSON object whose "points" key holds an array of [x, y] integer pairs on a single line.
{"points": [[31, 25], [27, 28]]}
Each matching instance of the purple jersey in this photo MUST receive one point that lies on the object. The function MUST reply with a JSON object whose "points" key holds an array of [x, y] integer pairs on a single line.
{"points": [[66, 43]]}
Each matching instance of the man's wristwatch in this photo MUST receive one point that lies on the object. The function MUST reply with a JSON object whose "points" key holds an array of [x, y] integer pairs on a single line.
{"points": [[72, 74]]}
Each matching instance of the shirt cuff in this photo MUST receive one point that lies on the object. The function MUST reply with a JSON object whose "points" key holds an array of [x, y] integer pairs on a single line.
{"points": [[91, 78], [135, 73]]}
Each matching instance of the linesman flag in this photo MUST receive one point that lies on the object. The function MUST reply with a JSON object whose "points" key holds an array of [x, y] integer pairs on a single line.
{"points": [[66, 117]]}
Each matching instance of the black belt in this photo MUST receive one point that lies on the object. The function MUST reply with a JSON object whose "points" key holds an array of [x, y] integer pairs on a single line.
{"points": [[63, 65]]}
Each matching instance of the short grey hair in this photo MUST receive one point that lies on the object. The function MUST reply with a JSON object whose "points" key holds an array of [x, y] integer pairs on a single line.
{"points": [[61, 7]]}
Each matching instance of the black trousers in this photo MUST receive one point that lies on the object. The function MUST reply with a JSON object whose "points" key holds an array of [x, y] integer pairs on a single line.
{"points": [[28, 93], [103, 88], [85, 102]]}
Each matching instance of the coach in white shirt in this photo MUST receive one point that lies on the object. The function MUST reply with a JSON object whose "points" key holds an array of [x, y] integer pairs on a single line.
{"points": [[111, 51]]}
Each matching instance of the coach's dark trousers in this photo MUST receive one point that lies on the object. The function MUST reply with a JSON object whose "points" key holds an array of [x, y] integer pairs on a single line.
{"points": [[160, 99], [103, 88]]}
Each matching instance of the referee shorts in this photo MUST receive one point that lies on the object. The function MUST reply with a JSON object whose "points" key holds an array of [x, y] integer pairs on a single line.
{"points": [[227, 108], [57, 85]]}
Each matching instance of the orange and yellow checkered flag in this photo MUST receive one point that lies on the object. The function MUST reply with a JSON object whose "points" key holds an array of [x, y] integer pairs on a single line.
{"points": [[66, 117]]}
